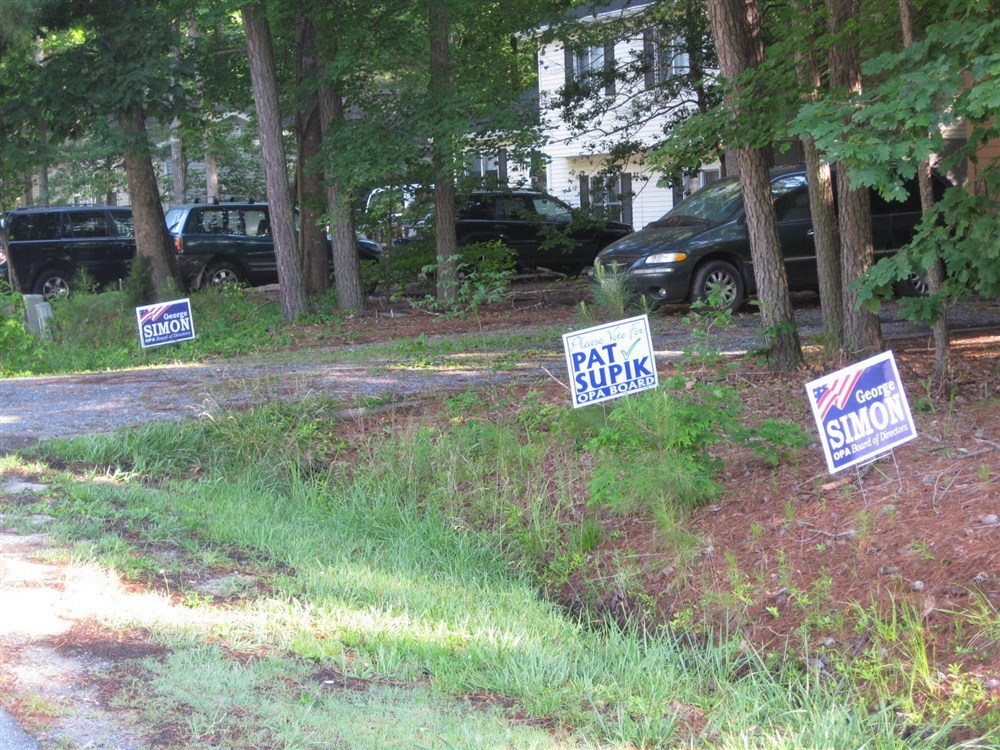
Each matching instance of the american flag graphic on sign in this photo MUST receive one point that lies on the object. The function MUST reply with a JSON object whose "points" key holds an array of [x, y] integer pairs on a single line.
{"points": [[835, 391], [153, 313]]}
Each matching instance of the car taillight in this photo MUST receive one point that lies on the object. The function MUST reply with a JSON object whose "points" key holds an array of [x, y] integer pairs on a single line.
{"points": [[178, 246]]}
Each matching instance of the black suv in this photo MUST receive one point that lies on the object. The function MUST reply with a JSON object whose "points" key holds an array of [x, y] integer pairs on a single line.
{"points": [[224, 243], [49, 246], [703, 241], [542, 231]]}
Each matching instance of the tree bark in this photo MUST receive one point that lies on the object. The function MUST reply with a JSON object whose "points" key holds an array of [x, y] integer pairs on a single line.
{"points": [[178, 164], [211, 177], [444, 178], [736, 28], [265, 94], [935, 271], [152, 239], [309, 179], [862, 330], [821, 205]]}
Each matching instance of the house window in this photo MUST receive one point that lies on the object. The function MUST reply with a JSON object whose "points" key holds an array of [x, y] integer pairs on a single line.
{"points": [[610, 193], [590, 65], [691, 183], [664, 57]]}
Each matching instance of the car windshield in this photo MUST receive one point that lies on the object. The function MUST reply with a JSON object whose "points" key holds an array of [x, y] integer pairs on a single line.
{"points": [[713, 204], [550, 209]]}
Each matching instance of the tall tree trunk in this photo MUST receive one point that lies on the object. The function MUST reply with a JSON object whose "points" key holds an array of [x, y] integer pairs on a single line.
{"points": [[346, 264], [444, 177], [265, 94], [211, 177], [43, 168], [736, 28], [821, 205], [309, 179], [935, 271], [862, 330], [178, 164], [152, 239]]}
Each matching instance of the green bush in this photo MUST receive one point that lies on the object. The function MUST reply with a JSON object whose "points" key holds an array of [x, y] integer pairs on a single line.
{"points": [[18, 348]]}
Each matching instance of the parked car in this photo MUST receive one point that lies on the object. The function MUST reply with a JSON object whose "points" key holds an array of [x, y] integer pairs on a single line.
{"points": [[223, 243], [703, 241], [49, 246], [542, 231]]}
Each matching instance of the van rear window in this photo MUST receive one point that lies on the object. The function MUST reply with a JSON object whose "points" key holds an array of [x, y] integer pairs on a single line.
{"points": [[35, 226]]}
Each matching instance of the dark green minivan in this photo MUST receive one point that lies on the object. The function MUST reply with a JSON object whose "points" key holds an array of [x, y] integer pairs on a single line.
{"points": [[703, 242]]}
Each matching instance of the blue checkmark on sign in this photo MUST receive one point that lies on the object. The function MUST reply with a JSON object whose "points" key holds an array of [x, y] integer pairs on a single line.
{"points": [[628, 352]]}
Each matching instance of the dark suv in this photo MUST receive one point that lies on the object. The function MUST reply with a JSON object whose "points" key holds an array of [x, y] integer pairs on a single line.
{"points": [[51, 245], [703, 241], [542, 231], [223, 243]]}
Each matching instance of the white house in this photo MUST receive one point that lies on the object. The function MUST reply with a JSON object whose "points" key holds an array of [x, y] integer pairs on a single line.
{"points": [[576, 169]]}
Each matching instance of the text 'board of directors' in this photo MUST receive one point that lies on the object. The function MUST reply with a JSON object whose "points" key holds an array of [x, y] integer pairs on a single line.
{"points": [[609, 361]]}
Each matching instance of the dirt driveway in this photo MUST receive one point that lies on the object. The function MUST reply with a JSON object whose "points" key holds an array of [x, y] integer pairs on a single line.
{"points": [[39, 408]]}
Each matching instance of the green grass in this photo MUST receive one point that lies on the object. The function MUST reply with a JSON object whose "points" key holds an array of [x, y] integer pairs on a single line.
{"points": [[413, 561]]}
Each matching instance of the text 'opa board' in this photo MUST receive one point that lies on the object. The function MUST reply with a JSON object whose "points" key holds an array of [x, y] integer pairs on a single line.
{"points": [[165, 323], [609, 361], [861, 411]]}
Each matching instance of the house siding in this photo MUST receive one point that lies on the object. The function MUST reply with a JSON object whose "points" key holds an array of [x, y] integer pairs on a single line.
{"points": [[570, 156]]}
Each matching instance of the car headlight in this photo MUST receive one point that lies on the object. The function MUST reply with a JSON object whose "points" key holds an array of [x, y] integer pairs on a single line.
{"points": [[666, 257]]}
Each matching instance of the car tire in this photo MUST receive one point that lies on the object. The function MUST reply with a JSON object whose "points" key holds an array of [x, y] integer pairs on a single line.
{"points": [[724, 275], [916, 285], [219, 275], [52, 282]]}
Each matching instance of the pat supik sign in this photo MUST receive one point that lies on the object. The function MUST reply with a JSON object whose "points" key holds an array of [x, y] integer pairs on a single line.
{"points": [[609, 361], [165, 323], [861, 412]]}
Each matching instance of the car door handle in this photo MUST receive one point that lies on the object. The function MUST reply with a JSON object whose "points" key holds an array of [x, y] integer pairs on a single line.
{"points": [[811, 233]]}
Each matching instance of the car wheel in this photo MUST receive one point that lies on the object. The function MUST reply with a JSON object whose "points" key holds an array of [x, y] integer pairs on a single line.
{"points": [[220, 275], [718, 273], [52, 283], [916, 285]]}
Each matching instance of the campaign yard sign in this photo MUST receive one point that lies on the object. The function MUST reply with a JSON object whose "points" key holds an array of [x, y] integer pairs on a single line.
{"points": [[861, 411], [611, 360], [165, 323]]}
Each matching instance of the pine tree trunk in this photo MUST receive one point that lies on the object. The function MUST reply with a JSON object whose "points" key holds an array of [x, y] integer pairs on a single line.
{"points": [[935, 271], [178, 164], [824, 216], [265, 94], [346, 264], [862, 329], [444, 178], [736, 28], [151, 236], [211, 178], [309, 180]]}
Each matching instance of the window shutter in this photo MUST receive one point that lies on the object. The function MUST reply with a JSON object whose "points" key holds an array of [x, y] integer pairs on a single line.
{"points": [[502, 166], [609, 68], [626, 198], [568, 63], [584, 191], [649, 58]]}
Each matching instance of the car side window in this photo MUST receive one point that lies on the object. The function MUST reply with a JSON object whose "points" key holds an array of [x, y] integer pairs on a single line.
{"points": [[255, 223], [211, 221], [478, 207], [86, 224], [510, 208], [911, 205], [793, 206], [124, 225], [40, 226]]}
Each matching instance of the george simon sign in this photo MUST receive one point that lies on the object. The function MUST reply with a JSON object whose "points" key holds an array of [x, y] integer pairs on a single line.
{"points": [[165, 323], [861, 411]]}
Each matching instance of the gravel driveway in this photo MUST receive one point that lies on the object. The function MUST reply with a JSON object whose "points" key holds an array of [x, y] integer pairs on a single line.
{"points": [[39, 408]]}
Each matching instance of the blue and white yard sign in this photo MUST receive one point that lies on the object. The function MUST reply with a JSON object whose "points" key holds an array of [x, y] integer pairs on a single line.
{"points": [[165, 323], [611, 360], [861, 411]]}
